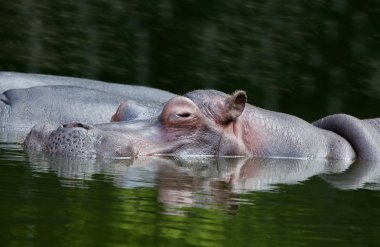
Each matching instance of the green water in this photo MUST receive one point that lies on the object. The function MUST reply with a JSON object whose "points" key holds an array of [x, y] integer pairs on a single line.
{"points": [[306, 58], [58, 201]]}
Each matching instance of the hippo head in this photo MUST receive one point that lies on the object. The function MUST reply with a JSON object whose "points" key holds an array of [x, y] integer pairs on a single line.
{"points": [[202, 122]]}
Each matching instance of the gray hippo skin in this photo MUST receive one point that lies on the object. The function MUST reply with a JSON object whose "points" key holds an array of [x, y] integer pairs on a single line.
{"points": [[57, 99], [14, 80], [23, 108], [209, 122]]}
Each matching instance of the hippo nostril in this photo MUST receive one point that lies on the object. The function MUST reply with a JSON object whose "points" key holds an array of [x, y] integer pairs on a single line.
{"points": [[77, 125], [183, 114]]}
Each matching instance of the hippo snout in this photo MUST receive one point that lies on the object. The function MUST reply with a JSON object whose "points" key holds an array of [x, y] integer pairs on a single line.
{"points": [[77, 125], [71, 138], [78, 139], [38, 136]]}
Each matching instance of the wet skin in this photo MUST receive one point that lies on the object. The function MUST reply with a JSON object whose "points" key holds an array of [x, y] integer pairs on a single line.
{"points": [[29, 99], [23, 108], [14, 80], [209, 122]]}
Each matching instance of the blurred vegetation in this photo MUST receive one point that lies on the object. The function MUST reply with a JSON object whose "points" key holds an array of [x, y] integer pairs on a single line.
{"points": [[308, 58]]}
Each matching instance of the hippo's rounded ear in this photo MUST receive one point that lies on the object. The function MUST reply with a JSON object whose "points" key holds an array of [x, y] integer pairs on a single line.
{"points": [[235, 104]]}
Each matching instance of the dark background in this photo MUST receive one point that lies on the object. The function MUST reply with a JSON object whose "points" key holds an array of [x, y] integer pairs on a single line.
{"points": [[308, 58]]}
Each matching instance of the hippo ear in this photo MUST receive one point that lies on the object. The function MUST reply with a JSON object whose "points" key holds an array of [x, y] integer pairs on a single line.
{"points": [[235, 104]]}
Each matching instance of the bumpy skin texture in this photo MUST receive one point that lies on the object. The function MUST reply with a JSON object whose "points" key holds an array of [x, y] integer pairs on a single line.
{"points": [[209, 122]]}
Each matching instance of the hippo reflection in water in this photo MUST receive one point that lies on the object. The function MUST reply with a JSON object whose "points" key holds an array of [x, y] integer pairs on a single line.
{"points": [[209, 181], [209, 122]]}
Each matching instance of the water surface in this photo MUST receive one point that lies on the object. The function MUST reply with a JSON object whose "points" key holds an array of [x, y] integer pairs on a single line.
{"points": [[68, 201]]}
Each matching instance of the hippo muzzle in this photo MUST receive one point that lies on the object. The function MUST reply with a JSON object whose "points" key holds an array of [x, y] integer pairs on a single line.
{"points": [[77, 139]]}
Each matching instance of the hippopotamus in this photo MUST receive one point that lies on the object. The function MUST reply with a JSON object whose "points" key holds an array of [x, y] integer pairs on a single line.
{"points": [[23, 108], [212, 123], [57, 99]]}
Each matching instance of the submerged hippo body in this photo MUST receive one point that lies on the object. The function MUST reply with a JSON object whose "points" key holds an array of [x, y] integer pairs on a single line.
{"points": [[209, 122], [23, 108], [56, 99]]}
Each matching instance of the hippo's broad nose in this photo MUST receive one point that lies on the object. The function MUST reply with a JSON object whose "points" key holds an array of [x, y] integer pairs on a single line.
{"points": [[72, 139], [77, 125]]}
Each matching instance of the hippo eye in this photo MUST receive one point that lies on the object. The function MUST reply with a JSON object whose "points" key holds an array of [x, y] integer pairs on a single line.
{"points": [[183, 115]]}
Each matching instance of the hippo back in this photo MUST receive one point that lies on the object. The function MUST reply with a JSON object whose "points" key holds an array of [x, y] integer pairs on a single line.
{"points": [[363, 135], [14, 80]]}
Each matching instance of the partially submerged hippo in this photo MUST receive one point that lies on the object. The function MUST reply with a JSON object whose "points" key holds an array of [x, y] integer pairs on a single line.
{"points": [[23, 108], [57, 99], [209, 122]]}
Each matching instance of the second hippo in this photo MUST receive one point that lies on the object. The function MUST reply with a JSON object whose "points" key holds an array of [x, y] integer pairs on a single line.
{"points": [[29, 99]]}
